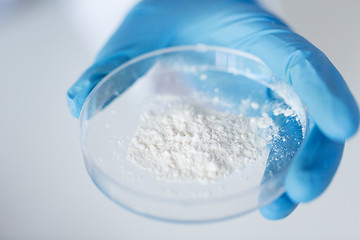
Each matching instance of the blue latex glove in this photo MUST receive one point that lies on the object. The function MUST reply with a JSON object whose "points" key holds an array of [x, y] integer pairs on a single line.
{"points": [[245, 26]]}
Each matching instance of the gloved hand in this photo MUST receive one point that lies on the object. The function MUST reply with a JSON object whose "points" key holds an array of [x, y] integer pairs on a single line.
{"points": [[244, 25]]}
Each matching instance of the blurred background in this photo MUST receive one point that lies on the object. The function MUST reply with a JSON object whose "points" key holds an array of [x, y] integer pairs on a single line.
{"points": [[45, 192]]}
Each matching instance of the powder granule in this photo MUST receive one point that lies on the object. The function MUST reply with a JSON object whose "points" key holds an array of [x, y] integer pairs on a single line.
{"points": [[190, 143]]}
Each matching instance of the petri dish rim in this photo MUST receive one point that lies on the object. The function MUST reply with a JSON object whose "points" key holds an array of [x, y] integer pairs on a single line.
{"points": [[90, 163]]}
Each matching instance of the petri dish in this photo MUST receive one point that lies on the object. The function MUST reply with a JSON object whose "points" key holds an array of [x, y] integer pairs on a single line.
{"points": [[214, 77]]}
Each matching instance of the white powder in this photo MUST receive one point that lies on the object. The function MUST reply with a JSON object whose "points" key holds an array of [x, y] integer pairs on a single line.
{"points": [[190, 143]]}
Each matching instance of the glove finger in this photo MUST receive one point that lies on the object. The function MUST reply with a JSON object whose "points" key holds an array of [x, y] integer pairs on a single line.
{"points": [[314, 167], [314, 78], [279, 209], [325, 93]]}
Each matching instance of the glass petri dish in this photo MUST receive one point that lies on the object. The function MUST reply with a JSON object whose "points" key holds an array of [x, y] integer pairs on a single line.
{"points": [[214, 77]]}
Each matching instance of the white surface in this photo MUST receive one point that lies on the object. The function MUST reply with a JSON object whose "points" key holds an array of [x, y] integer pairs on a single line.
{"points": [[45, 190], [95, 20]]}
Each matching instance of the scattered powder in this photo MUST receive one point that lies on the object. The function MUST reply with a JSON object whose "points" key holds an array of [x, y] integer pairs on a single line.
{"points": [[285, 111], [254, 105], [190, 143], [203, 77]]}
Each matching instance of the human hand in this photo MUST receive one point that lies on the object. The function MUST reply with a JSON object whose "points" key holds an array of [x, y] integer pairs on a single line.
{"points": [[243, 25]]}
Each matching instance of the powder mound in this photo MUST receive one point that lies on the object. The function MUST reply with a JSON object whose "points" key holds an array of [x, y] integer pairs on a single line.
{"points": [[190, 143]]}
